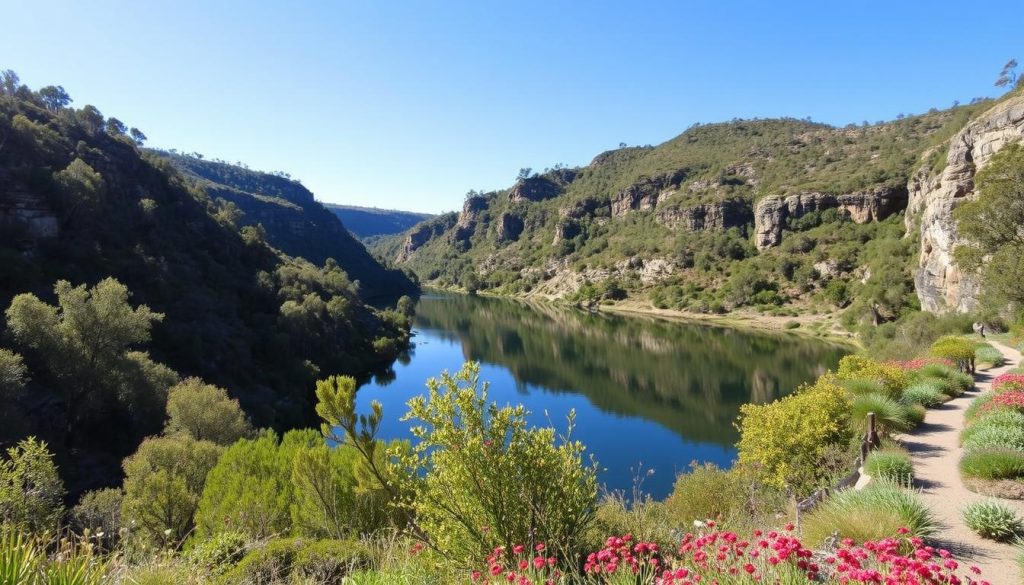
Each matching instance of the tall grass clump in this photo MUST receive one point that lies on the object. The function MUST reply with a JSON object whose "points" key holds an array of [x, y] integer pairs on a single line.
{"points": [[875, 512], [993, 520], [993, 464], [860, 386], [890, 416], [923, 393], [893, 466]]}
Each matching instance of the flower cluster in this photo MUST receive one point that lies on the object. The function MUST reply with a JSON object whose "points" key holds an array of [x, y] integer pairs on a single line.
{"points": [[882, 562], [1014, 400], [1008, 383], [717, 556], [620, 554], [521, 566], [916, 364]]}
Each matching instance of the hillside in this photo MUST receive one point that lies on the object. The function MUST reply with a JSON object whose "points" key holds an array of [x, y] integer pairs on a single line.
{"points": [[776, 215], [294, 221], [81, 201], [370, 223]]}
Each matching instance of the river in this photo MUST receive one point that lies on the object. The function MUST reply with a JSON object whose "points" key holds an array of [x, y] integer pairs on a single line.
{"points": [[650, 395]]}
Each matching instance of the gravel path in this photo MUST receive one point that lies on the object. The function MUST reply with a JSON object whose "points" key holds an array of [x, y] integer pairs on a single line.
{"points": [[935, 449]]}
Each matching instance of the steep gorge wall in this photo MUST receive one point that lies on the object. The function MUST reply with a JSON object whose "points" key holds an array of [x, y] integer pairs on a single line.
{"points": [[941, 285]]}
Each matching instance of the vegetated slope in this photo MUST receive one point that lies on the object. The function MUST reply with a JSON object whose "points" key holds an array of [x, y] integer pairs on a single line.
{"points": [[294, 221], [762, 213], [369, 223], [80, 201]]}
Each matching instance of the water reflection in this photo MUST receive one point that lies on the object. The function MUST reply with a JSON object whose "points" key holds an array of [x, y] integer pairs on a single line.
{"points": [[644, 390]]}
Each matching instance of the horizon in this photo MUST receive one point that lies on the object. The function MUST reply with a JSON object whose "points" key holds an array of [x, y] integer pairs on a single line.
{"points": [[417, 107]]}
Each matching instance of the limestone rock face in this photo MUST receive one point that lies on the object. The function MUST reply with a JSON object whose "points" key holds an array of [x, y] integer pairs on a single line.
{"points": [[422, 234], [940, 284], [510, 226], [466, 225], [645, 193], [717, 216], [864, 206], [542, 187]]}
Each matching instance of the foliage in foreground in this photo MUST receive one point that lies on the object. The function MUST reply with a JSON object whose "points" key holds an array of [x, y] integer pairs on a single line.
{"points": [[876, 512], [991, 519], [786, 440]]}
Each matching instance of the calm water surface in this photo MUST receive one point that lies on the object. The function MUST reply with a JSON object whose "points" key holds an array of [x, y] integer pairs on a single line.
{"points": [[648, 394]]}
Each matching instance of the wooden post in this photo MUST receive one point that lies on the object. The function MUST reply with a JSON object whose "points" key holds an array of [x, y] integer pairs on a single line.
{"points": [[872, 433], [864, 447]]}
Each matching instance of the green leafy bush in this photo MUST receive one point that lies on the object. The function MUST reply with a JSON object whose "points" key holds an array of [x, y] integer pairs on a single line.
{"points": [[706, 492], [914, 413], [890, 416], [205, 412], [993, 464], [923, 393], [890, 465], [31, 491], [785, 441], [875, 512], [99, 511], [993, 520], [977, 406], [219, 553], [946, 386], [250, 488]]}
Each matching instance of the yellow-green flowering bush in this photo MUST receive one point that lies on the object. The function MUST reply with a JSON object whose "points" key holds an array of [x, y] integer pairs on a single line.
{"points": [[785, 441], [892, 378]]}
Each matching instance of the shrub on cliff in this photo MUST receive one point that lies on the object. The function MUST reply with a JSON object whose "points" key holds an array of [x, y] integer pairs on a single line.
{"points": [[786, 440]]}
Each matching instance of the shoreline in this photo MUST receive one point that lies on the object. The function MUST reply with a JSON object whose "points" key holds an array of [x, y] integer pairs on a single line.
{"points": [[822, 327]]}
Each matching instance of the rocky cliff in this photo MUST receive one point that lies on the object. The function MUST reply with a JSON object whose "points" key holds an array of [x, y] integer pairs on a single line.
{"points": [[940, 284], [862, 206]]}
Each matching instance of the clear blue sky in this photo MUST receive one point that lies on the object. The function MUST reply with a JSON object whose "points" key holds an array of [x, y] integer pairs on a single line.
{"points": [[409, 105]]}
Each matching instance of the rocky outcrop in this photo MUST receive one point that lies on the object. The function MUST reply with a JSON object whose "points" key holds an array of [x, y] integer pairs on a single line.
{"points": [[940, 284], [510, 226], [423, 233], [874, 204], [717, 216], [542, 187], [645, 193], [26, 219], [472, 209]]}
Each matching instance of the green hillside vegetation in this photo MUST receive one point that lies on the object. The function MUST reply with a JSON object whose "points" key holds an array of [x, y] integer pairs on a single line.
{"points": [[370, 223], [120, 276], [587, 234], [294, 221]]}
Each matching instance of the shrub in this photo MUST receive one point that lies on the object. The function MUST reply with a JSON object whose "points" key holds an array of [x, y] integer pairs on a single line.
{"points": [[923, 393], [890, 416], [291, 560], [978, 406], [706, 492], [216, 555], [250, 488], [986, 354], [993, 520], [162, 484], [914, 413], [960, 350], [891, 466], [943, 385], [645, 518], [994, 436], [993, 464], [1001, 401], [784, 441], [1008, 382], [31, 491], [875, 512], [473, 464], [962, 381], [892, 378], [100, 512], [205, 412]]}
